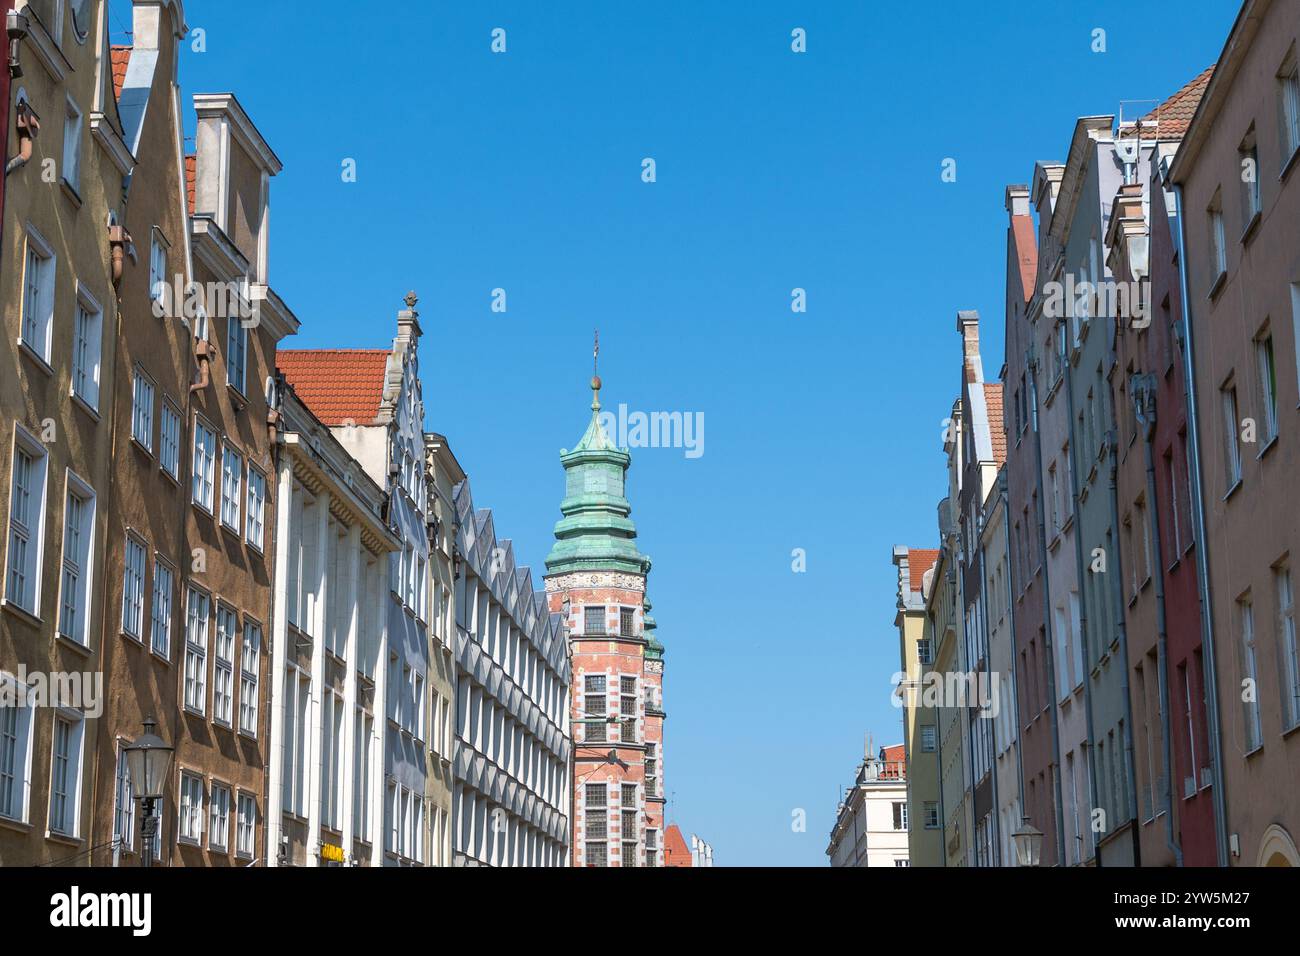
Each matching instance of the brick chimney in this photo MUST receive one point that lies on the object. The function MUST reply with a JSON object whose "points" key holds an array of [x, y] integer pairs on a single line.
{"points": [[968, 324]]}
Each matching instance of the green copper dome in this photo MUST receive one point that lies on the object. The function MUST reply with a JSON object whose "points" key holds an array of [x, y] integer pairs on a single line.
{"points": [[595, 533]]}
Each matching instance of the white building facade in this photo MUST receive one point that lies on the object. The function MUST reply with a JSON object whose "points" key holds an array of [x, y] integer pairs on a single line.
{"points": [[513, 745], [871, 826]]}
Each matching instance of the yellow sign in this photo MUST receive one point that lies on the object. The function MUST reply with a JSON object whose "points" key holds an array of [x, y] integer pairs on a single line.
{"points": [[328, 851]]}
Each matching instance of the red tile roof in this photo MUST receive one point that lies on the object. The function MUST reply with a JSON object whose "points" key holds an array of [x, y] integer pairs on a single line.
{"points": [[191, 177], [997, 429], [676, 852], [896, 752], [119, 57], [338, 385], [919, 560], [1174, 115]]}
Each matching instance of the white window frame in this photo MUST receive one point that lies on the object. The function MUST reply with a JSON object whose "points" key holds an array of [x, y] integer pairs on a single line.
{"points": [[249, 678], [158, 287], [16, 750], [245, 825], [133, 585], [162, 607], [236, 353], [87, 345], [255, 509], [36, 325], [143, 390], [80, 566], [1289, 91], [69, 823], [223, 664], [196, 650], [169, 439], [219, 817], [1232, 437], [232, 486], [1284, 588], [30, 530], [203, 465], [1250, 671], [190, 815], [1266, 371], [123, 804], [73, 123]]}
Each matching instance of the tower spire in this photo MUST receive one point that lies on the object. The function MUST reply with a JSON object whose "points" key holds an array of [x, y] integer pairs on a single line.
{"points": [[595, 378]]}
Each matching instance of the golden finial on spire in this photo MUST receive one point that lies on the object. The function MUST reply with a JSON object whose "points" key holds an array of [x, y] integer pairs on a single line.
{"points": [[595, 379]]}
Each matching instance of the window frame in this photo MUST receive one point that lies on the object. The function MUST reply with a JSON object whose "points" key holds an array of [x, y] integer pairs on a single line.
{"points": [[40, 344], [33, 533], [76, 487], [138, 376], [204, 479], [86, 304]]}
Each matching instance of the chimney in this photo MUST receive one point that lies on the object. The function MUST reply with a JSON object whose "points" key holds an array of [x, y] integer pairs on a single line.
{"points": [[1017, 200], [968, 323]]}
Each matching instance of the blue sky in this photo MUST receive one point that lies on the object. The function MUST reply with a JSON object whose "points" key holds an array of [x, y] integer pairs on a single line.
{"points": [[775, 170]]}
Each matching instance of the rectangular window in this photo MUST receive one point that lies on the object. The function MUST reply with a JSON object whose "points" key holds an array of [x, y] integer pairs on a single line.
{"points": [[626, 622], [900, 816], [205, 464], [1248, 163], [26, 514], [196, 651], [595, 706], [1290, 94], [169, 444], [249, 668], [78, 532], [593, 621], [255, 529], [1231, 438], [245, 828], [232, 471], [123, 804], [87, 333], [65, 775], [1286, 637], [236, 352], [142, 396], [72, 146], [927, 739], [133, 589], [627, 708], [38, 295], [1267, 371], [651, 770], [597, 824], [160, 615], [157, 271], [1249, 672], [1218, 244], [925, 651], [931, 812], [191, 809], [219, 819], [223, 666], [15, 750]]}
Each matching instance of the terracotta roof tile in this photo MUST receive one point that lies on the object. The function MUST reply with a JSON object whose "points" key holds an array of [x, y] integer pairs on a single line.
{"points": [[338, 385], [191, 177], [120, 57], [997, 429], [1174, 115], [676, 852], [919, 560]]}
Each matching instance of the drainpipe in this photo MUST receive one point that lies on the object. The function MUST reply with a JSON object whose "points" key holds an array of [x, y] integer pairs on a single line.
{"points": [[28, 125], [1080, 572], [1031, 365], [988, 669], [1202, 557], [1146, 415], [118, 240], [1116, 575]]}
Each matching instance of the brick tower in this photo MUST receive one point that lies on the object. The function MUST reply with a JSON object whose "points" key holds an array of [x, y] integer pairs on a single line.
{"points": [[596, 578]]}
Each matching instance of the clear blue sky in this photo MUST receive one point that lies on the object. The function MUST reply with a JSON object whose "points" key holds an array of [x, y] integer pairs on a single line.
{"points": [[775, 171]]}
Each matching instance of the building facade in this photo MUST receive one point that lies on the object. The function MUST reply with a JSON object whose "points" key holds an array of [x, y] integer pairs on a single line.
{"points": [[1237, 242], [871, 824], [920, 717], [513, 749]]}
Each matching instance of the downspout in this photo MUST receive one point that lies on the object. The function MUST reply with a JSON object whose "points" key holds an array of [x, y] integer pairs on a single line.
{"points": [[938, 762], [1031, 363], [1146, 415], [1202, 557], [1081, 565]]}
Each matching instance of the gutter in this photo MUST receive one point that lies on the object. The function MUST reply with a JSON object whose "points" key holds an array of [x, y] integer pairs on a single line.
{"points": [[1202, 557]]}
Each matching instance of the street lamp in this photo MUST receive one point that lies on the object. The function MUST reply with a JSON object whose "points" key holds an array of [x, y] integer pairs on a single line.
{"points": [[148, 761], [1028, 841]]}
